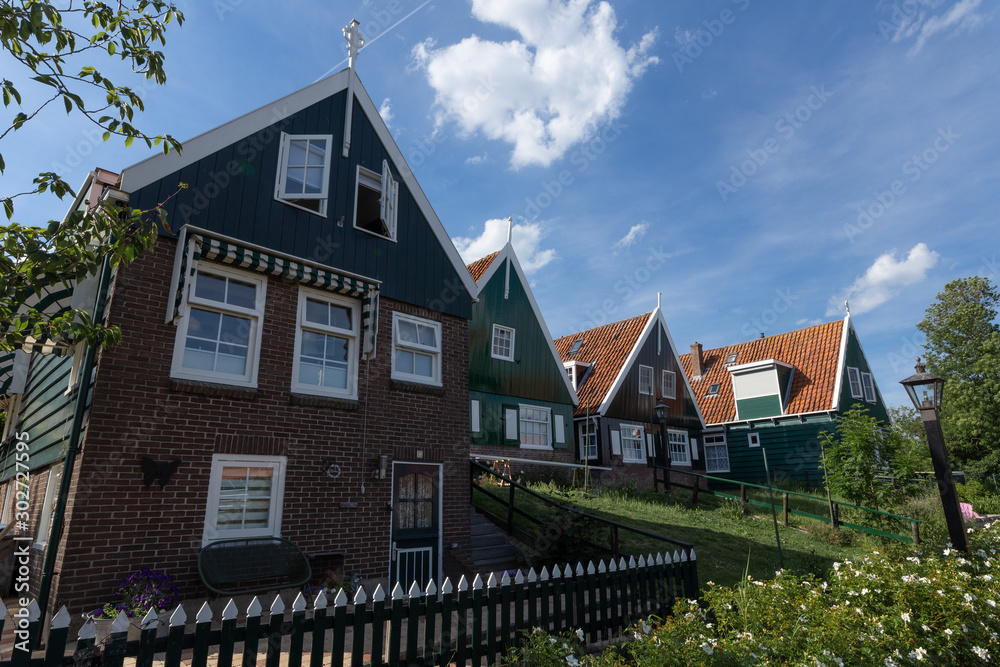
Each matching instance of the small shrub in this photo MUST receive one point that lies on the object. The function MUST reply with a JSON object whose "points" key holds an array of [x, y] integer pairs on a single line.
{"points": [[825, 532]]}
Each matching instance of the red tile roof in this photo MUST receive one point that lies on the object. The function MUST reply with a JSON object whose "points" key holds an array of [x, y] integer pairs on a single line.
{"points": [[606, 348], [813, 351], [479, 267]]}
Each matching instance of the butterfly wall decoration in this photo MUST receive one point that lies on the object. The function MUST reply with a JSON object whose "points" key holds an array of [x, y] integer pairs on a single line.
{"points": [[153, 471]]}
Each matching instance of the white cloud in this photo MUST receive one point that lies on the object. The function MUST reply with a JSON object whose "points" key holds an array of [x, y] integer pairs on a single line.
{"points": [[918, 23], [883, 279], [544, 93], [385, 110], [634, 234], [526, 239], [476, 159]]}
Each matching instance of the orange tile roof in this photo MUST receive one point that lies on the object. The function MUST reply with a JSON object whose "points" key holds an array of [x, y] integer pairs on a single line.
{"points": [[813, 351], [606, 347], [479, 267]]}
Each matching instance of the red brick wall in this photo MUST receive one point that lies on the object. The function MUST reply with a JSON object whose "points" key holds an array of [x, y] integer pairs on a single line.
{"points": [[116, 525]]}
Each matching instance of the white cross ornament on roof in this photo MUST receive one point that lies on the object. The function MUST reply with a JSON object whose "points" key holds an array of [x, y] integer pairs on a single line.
{"points": [[355, 41]]}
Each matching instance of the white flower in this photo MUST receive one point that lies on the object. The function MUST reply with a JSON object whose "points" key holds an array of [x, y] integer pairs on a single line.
{"points": [[991, 603], [579, 634], [981, 652], [947, 631], [572, 661], [645, 628], [552, 640], [925, 628], [918, 654], [707, 648], [905, 616]]}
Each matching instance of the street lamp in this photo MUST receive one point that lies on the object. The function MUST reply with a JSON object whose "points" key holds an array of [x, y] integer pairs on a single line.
{"points": [[662, 411], [925, 390]]}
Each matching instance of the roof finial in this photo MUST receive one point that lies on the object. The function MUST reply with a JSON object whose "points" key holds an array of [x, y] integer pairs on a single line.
{"points": [[510, 227], [659, 297], [847, 306], [355, 41]]}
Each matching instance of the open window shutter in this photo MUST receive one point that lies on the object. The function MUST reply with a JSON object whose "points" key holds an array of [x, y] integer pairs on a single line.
{"points": [[694, 448], [616, 443], [560, 432], [510, 432], [649, 444], [390, 194], [474, 416]]}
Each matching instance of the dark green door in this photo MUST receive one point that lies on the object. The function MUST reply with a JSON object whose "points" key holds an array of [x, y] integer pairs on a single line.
{"points": [[416, 524]]}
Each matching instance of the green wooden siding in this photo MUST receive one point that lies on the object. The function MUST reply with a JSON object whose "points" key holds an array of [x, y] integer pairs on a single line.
{"points": [[629, 405], [534, 373], [759, 406], [240, 203], [46, 414], [854, 357], [793, 450], [491, 420]]}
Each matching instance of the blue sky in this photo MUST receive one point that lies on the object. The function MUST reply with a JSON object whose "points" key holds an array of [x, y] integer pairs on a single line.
{"points": [[755, 162]]}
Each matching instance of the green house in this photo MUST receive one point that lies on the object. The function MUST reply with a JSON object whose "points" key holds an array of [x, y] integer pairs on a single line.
{"points": [[779, 394], [521, 400]]}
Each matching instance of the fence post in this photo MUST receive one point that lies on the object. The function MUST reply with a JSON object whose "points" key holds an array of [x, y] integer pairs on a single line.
{"points": [[614, 542], [694, 490], [916, 533], [743, 498], [510, 510], [784, 506], [835, 515]]}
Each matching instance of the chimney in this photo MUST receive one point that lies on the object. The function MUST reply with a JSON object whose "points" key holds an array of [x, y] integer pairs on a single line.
{"points": [[696, 361]]}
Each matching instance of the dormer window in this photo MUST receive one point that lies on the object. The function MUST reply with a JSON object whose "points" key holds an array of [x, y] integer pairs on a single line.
{"points": [[575, 347], [761, 388], [713, 389], [731, 358], [576, 371], [375, 202], [304, 171]]}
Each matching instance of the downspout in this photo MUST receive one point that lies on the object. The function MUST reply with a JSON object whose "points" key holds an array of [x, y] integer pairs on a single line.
{"points": [[52, 546]]}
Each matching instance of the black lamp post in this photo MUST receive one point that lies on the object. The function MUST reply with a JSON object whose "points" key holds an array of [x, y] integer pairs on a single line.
{"points": [[662, 411], [925, 390]]}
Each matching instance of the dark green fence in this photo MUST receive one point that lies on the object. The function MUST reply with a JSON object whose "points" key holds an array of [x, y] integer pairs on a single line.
{"points": [[467, 625], [831, 516]]}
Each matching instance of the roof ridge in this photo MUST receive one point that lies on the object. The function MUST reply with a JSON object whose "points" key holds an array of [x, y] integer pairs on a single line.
{"points": [[644, 316]]}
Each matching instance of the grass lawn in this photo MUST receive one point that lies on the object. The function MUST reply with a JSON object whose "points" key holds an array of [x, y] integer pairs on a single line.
{"points": [[727, 545]]}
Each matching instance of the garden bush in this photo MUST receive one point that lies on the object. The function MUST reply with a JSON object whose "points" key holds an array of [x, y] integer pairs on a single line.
{"points": [[888, 607]]}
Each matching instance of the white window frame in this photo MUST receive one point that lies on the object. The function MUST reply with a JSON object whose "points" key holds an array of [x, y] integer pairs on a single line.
{"points": [[585, 447], [388, 189], [220, 461], [854, 378], [718, 388], [868, 385], [281, 179], [713, 441], [352, 334], [629, 451], [500, 329], [45, 518], [255, 315], [682, 455], [520, 425], [664, 376], [435, 378], [753, 439], [731, 358], [8, 495], [646, 380]]}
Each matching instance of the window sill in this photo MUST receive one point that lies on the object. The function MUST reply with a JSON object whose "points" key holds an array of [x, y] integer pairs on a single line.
{"points": [[416, 387], [213, 389], [332, 402], [537, 448]]}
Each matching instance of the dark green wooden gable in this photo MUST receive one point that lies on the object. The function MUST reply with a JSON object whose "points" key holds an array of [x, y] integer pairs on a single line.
{"points": [[628, 404], [534, 376], [415, 269], [855, 357]]}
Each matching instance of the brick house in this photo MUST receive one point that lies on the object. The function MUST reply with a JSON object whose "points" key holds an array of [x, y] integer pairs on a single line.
{"points": [[621, 371], [521, 400], [779, 394], [297, 341]]}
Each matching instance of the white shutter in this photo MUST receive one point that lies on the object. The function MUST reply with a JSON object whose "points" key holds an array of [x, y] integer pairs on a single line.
{"points": [[511, 424], [616, 443], [694, 448], [475, 416], [390, 194], [649, 444], [560, 430]]}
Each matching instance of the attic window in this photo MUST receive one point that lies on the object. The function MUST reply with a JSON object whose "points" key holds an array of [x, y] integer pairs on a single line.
{"points": [[375, 202], [577, 344], [713, 389], [304, 171], [731, 359]]}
